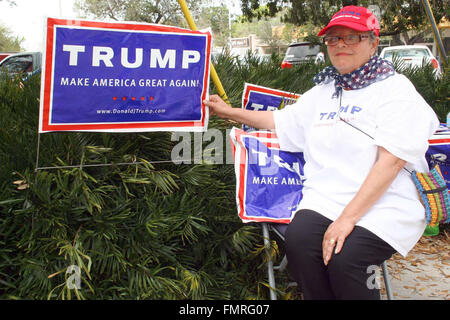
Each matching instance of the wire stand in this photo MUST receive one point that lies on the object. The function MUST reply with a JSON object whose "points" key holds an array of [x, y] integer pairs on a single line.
{"points": [[81, 166]]}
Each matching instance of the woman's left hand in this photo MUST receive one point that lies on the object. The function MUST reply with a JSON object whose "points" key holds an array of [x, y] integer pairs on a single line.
{"points": [[335, 236]]}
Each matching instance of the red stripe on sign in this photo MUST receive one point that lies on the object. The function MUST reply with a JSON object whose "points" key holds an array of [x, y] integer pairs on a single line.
{"points": [[273, 91], [249, 88], [87, 127], [120, 26], [259, 219], [205, 80], [439, 141], [242, 179], [48, 72]]}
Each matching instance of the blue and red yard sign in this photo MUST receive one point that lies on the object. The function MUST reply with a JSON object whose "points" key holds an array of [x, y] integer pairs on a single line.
{"points": [[269, 181], [123, 77], [439, 152], [261, 98]]}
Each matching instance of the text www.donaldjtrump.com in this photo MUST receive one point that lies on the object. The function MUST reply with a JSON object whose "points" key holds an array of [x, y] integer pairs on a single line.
{"points": [[130, 111]]}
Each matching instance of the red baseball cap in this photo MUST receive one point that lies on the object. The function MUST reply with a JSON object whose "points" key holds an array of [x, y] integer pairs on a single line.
{"points": [[356, 18]]}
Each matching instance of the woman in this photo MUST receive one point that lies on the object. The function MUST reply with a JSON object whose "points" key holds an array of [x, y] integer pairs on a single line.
{"points": [[358, 127]]}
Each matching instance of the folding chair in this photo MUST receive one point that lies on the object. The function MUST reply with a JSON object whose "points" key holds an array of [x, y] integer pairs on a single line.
{"points": [[280, 230]]}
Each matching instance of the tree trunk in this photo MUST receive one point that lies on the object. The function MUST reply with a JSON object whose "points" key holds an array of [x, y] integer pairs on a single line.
{"points": [[396, 40], [418, 37]]}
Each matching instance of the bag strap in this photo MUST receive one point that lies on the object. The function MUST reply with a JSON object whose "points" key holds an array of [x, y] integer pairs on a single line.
{"points": [[339, 110], [437, 190]]}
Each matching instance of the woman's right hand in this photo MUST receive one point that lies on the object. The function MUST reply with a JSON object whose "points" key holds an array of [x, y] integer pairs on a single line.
{"points": [[218, 107], [255, 119]]}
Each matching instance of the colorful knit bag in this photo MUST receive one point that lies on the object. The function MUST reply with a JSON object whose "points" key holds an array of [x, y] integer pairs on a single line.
{"points": [[435, 197]]}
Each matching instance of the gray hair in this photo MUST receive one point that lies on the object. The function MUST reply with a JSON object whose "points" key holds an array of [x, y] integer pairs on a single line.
{"points": [[372, 36]]}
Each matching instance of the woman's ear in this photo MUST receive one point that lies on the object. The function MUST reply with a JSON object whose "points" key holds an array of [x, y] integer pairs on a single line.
{"points": [[375, 45]]}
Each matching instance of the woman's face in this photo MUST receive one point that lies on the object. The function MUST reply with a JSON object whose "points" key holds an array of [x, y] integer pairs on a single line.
{"points": [[347, 58]]}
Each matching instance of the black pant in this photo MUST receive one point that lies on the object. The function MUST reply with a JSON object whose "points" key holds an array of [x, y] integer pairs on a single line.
{"points": [[349, 275]]}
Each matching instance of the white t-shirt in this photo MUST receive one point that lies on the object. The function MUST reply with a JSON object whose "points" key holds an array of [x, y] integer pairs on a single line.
{"points": [[339, 157]]}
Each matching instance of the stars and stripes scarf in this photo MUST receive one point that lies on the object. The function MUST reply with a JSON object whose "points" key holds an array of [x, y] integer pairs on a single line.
{"points": [[376, 69]]}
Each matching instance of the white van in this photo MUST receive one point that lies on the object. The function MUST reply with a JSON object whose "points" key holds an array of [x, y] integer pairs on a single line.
{"points": [[412, 56], [25, 63]]}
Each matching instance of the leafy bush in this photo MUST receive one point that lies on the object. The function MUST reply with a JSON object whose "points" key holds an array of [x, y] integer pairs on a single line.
{"points": [[436, 92], [156, 230], [153, 230]]}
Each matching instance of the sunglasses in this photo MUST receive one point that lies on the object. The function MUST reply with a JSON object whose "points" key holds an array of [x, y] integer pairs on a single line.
{"points": [[349, 39]]}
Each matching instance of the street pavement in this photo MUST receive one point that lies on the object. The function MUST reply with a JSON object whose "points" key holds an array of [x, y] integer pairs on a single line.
{"points": [[425, 273]]}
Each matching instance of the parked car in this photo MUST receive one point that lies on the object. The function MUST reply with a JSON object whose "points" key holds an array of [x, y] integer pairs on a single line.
{"points": [[3, 55], [302, 52], [265, 57], [412, 56], [25, 63]]}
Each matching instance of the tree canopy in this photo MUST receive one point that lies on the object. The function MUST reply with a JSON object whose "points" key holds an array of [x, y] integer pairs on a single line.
{"points": [[9, 42], [151, 11], [160, 11], [397, 16], [217, 19], [11, 2]]}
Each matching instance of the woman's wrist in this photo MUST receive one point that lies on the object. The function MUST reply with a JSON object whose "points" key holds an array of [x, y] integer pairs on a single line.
{"points": [[348, 217], [232, 114]]}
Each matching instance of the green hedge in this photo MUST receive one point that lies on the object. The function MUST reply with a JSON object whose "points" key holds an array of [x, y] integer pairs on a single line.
{"points": [[148, 231]]}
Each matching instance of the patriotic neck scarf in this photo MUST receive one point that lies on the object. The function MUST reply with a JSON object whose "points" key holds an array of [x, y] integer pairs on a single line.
{"points": [[376, 69]]}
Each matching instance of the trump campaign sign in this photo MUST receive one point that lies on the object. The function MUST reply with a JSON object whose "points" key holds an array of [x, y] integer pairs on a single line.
{"points": [[269, 181], [439, 152], [123, 77], [259, 98]]}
